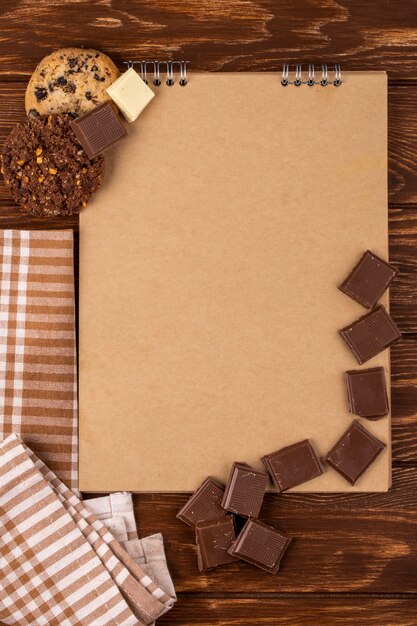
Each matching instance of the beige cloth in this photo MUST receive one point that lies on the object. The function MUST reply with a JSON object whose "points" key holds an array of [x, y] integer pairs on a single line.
{"points": [[38, 384], [116, 512], [59, 565]]}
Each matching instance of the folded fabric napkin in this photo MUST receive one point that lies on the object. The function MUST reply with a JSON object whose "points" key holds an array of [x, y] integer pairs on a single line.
{"points": [[117, 514], [38, 392], [59, 565]]}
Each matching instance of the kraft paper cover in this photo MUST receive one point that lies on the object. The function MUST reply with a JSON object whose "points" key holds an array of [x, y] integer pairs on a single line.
{"points": [[209, 266]]}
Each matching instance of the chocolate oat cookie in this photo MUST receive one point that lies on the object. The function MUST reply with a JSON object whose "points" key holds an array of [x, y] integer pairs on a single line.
{"points": [[45, 168], [70, 80]]}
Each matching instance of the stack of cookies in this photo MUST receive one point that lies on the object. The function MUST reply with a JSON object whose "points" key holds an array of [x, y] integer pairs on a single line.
{"points": [[53, 162]]}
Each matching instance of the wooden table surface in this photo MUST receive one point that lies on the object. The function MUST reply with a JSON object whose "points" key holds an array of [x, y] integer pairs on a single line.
{"points": [[354, 560]]}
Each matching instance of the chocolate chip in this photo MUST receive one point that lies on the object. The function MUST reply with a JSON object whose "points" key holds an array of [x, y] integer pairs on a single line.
{"points": [[70, 88], [94, 68], [50, 87], [72, 62], [42, 73], [61, 81], [97, 77], [33, 113], [88, 95], [41, 93]]}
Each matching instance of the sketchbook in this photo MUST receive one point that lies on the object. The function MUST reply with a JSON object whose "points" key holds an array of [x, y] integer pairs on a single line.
{"points": [[210, 262]]}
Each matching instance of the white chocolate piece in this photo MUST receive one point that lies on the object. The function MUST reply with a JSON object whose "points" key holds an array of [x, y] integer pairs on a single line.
{"points": [[131, 94]]}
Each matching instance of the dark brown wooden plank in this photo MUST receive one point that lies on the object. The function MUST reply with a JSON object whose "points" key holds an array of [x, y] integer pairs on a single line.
{"points": [[402, 135], [404, 400], [306, 611], [342, 543], [242, 34], [403, 252], [402, 143]]}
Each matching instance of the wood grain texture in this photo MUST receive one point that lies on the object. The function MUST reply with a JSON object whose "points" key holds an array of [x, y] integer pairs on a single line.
{"points": [[404, 401], [306, 611], [216, 35], [354, 557]]}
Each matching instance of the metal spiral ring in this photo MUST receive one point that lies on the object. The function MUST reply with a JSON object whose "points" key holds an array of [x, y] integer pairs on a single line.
{"points": [[324, 75], [169, 69], [285, 73], [311, 80], [338, 75]]}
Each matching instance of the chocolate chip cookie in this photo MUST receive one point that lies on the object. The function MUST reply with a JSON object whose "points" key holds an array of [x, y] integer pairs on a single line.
{"points": [[45, 168], [70, 80]]}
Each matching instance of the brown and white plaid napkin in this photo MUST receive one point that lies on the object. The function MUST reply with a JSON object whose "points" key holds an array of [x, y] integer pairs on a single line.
{"points": [[38, 393], [59, 565]]}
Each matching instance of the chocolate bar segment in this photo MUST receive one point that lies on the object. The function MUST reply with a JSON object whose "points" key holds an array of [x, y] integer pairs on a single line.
{"points": [[98, 129], [293, 465], [245, 490], [367, 393], [214, 538], [371, 334], [204, 504], [368, 280], [354, 452], [261, 545]]}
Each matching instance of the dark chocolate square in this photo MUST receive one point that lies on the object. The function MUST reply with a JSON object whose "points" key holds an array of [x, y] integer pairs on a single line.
{"points": [[368, 280], [367, 392], [354, 452], [98, 129], [293, 465], [261, 545], [204, 504], [245, 490], [214, 538], [371, 334]]}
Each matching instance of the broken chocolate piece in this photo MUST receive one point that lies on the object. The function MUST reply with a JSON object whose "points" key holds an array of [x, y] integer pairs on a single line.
{"points": [[367, 393], [98, 130], [245, 490], [354, 452], [293, 465], [368, 280], [261, 545], [214, 538], [204, 504], [371, 334]]}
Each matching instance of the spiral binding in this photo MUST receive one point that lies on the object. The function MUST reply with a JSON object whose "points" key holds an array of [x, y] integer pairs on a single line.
{"points": [[311, 76], [169, 67]]}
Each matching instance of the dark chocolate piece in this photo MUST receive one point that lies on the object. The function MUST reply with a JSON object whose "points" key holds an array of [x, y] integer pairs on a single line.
{"points": [[371, 334], [214, 538], [368, 280], [367, 392], [354, 452], [261, 545], [293, 465], [204, 504], [245, 490], [99, 129]]}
